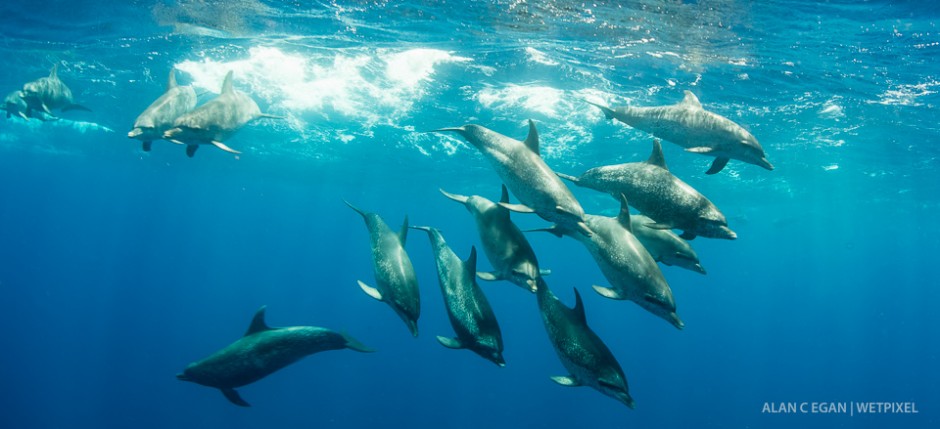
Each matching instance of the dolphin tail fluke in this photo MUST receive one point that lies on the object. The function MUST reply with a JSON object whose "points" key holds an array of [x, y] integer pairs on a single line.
{"points": [[147, 145], [458, 198], [718, 165], [75, 107], [490, 276], [352, 343], [234, 397], [608, 113], [222, 146], [569, 178], [451, 343]]}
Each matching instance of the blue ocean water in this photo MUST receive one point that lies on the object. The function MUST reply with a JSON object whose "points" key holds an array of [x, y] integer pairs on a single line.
{"points": [[119, 267]]}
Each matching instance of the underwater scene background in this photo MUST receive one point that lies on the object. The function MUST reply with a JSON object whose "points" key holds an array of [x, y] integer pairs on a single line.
{"points": [[118, 267]]}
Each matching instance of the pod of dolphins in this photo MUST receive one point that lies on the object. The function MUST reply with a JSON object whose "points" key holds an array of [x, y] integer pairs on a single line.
{"points": [[626, 247]]}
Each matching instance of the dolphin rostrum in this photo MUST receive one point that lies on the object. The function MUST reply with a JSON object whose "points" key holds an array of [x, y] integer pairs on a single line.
{"points": [[162, 113], [689, 125], [625, 263], [503, 243], [469, 311], [396, 281], [657, 193], [588, 360], [525, 173], [262, 351], [214, 122]]}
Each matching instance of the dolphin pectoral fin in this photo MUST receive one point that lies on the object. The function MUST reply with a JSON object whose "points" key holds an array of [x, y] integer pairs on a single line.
{"points": [[75, 107], [686, 235], [489, 276], [717, 165], [518, 208], [584, 229], [45, 108], [369, 290], [566, 380], [191, 150], [222, 146], [451, 343], [175, 141], [458, 198], [700, 149], [607, 292], [20, 114], [234, 397], [545, 272], [147, 145], [353, 344]]}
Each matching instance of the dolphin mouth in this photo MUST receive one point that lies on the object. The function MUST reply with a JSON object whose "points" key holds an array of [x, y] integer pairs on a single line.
{"points": [[698, 268], [183, 377], [766, 164]]}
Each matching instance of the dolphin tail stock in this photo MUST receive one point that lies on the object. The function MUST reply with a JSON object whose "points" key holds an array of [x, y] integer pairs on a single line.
{"points": [[354, 344], [458, 198], [233, 397]]}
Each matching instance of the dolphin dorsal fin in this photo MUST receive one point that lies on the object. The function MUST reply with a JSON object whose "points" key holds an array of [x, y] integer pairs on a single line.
{"points": [[504, 197], [691, 100], [656, 157], [579, 307], [471, 262], [171, 81], [54, 73], [403, 234], [227, 83], [624, 216], [257, 323], [532, 140]]}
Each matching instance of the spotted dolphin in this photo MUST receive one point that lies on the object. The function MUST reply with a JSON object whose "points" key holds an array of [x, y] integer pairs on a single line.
{"points": [[664, 245], [588, 360], [657, 193], [48, 93], [262, 351], [626, 264], [503, 243], [469, 311], [15, 105], [522, 169], [396, 281], [689, 125], [216, 121], [160, 116]]}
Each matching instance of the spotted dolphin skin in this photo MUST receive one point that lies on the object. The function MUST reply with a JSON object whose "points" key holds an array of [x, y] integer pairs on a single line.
{"points": [[503, 243], [524, 172], [588, 360], [162, 113], [396, 281], [15, 105], [689, 125], [260, 352], [216, 121], [664, 245], [657, 193], [469, 311], [49, 93]]}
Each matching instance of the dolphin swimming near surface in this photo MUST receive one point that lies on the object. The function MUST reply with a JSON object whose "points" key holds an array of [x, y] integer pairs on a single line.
{"points": [[503, 243], [468, 309], [664, 245], [588, 360], [626, 264], [396, 281], [262, 351], [689, 125], [15, 105], [214, 122], [160, 116], [48, 93], [522, 169], [659, 194]]}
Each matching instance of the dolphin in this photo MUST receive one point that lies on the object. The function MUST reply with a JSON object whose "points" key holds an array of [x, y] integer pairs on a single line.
{"points": [[161, 114], [664, 245], [588, 360], [262, 351], [48, 93], [396, 281], [657, 193], [214, 122], [625, 263], [522, 169], [503, 243], [15, 105], [467, 307], [689, 125]]}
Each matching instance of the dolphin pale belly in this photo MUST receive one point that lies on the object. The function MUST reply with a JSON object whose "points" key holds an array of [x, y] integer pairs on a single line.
{"points": [[260, 352], [160, 116], [522, 169], [657, 193], [588, 360], [396, 281], [689, 125], [468, 309], [503, 243]]}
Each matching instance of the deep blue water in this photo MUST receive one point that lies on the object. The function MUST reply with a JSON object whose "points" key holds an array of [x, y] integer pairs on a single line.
{"points": [[119, 267]]}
